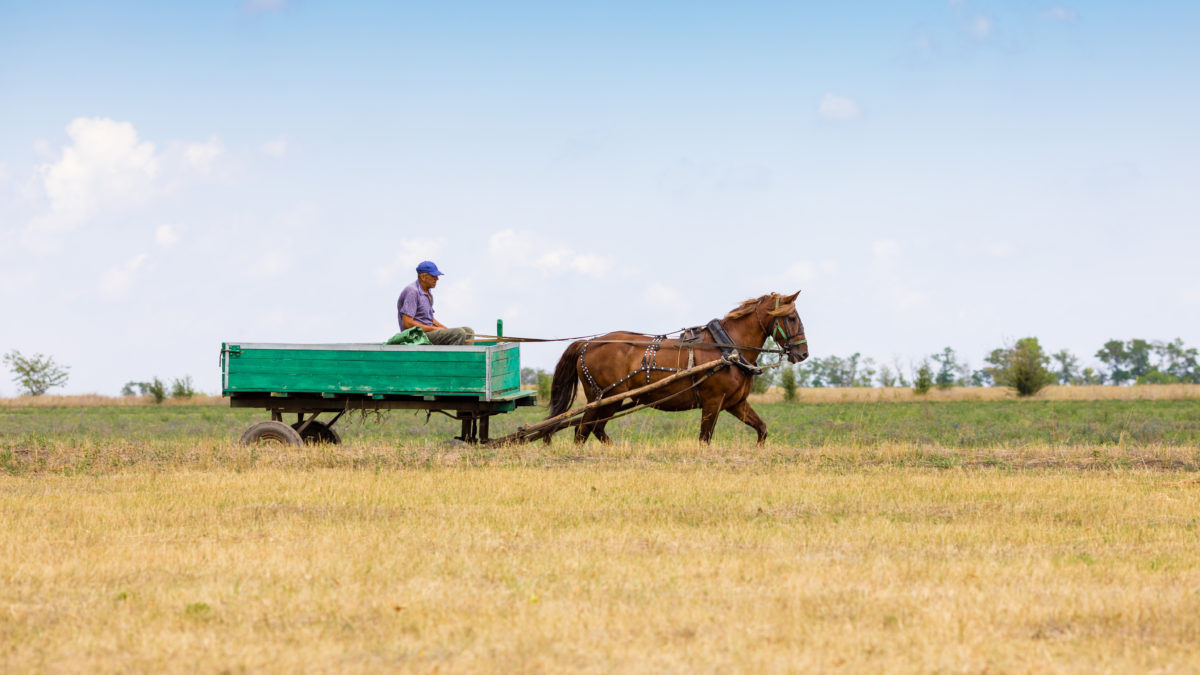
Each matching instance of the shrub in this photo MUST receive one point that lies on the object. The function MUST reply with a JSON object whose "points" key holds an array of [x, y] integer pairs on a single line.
{"points": [[543, 385], [923, 379], [1022, 366], [182, 387], [787, 380], [36, 374], [157, 389]]}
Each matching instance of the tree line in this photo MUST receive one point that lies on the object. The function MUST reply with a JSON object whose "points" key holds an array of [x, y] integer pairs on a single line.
{"points": [[1023, 365]]}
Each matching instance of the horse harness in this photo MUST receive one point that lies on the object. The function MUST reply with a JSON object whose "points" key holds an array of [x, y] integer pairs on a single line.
{"points": [[788, 340], [690, 336]]}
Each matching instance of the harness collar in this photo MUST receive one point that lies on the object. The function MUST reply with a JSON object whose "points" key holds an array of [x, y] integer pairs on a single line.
{"points": [[729, 348]]}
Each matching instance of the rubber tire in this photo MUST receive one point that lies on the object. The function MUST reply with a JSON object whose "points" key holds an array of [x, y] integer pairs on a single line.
{"points": [[318, 432], [271, 432]]}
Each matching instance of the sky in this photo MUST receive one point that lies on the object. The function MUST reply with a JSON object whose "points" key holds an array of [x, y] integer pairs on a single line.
{"points": [[928, 174]]}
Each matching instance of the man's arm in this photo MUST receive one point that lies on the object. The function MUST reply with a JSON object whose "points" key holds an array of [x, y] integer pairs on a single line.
{"points": [[407, 322]]}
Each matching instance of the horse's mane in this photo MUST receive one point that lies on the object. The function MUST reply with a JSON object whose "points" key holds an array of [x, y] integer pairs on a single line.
{"points": [[749, 306]]}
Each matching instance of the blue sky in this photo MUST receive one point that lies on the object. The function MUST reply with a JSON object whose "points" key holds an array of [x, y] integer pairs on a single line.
{"points": [[928, 173]]}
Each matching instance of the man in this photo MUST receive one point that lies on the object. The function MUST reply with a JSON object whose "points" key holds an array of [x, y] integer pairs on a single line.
{"points": [[415, 308]]}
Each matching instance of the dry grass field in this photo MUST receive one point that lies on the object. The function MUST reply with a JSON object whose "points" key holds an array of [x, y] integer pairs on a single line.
{"points": [[1143, 392], [177, 550]]}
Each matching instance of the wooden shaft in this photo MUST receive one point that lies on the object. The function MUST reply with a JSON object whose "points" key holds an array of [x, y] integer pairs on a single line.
{"points": [[526, 429]]}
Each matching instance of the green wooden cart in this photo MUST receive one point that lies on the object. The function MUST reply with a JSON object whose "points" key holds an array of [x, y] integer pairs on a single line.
{"points": [[469, 383]]}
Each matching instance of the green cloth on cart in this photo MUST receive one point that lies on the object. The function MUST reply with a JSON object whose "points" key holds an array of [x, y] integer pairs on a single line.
{"points": [[412, 336]]}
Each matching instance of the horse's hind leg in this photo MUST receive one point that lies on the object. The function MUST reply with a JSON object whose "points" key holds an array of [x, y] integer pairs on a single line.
{"points": [[593, 423], [709, 410], [745, 413], [598, 427], [583, 429]]}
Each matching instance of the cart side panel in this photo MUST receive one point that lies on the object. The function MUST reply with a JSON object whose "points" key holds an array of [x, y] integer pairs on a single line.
{"points": [[310, 369], [505, 370]]}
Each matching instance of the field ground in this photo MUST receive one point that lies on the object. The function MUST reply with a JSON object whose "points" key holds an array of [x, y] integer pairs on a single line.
{"points": [[1011, 536]]}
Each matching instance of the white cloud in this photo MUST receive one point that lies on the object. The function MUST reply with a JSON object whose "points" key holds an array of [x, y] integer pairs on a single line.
{"points": [[554, 260], [105, 170], [105, 165], [797, 275], [409, 254], [524, 249], [800, 273], [902, 299], [1059, 14], [166, 235], [275, 148], [591, 265], [460, 295], [272, 264], [202, 156], [4, 174], [885, 249], [923, 44], [838, 108], [118, 280], [981, 27], [659, 295]]}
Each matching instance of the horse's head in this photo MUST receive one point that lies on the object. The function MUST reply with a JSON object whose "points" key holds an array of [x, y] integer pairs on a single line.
{"points": [[786, 328], [772, 316]]}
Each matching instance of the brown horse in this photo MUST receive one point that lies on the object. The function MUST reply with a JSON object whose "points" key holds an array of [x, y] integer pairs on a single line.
{"points": [[615, 363]]}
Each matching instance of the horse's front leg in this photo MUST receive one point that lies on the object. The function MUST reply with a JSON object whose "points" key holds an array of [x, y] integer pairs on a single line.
{"points": [[709, 410], [745, 413]]}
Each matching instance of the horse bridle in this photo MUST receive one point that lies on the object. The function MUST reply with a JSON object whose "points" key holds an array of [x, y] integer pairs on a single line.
{"points": [[777, 328]]}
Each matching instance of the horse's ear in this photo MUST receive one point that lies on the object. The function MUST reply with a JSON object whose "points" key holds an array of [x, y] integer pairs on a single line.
{"points": [[791, 298]]}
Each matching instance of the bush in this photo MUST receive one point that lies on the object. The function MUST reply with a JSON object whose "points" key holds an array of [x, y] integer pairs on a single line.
{"points": [[182, 387], [923, 379], [1022, 366], [544, 381], [157, 389], [787, 380], [36, 374]]}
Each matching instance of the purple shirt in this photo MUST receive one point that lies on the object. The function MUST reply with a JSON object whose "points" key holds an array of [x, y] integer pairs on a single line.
{"points": [[415, 302]]}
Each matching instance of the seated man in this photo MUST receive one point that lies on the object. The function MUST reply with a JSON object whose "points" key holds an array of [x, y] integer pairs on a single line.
{"points": [[415, 308]]}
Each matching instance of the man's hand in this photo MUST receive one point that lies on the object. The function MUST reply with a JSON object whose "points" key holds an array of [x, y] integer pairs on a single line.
{"points": [[409, 322]]}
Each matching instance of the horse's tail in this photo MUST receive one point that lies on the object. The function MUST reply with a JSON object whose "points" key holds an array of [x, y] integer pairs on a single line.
{"points": [[562, 388]]}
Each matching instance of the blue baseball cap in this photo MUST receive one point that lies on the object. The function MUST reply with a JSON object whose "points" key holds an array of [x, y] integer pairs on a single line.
{"points": [[427, 267]]}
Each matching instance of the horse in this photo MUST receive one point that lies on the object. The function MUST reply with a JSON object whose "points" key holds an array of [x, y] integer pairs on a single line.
{"points": [[611, 364]]}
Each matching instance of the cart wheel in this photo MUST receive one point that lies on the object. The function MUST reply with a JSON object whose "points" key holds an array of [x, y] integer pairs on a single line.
{"points": [[318, 432], [271, 432]]}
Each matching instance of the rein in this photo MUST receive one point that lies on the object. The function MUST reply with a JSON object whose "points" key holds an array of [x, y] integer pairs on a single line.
{"points": [[777, 329], [506, 338]]}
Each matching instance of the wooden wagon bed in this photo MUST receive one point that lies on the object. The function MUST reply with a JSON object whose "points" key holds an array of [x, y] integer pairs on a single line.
{"points": [[470, 383]]}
